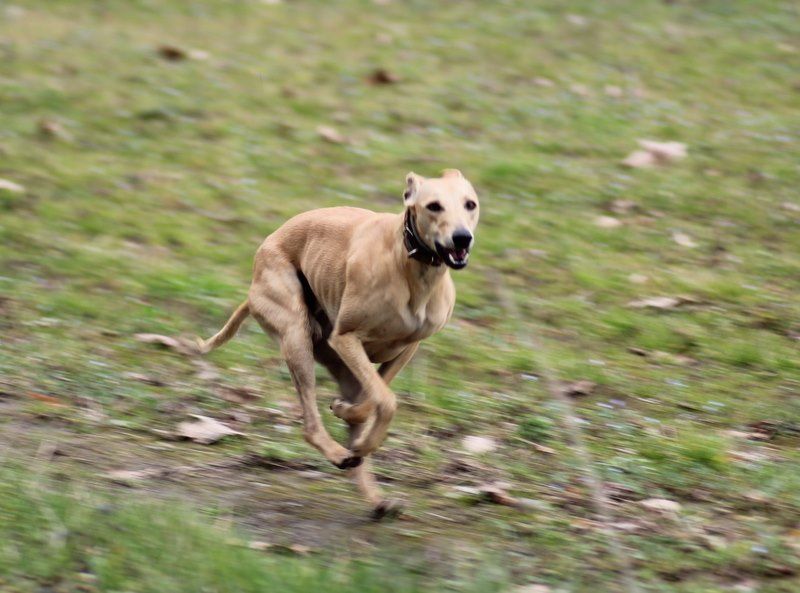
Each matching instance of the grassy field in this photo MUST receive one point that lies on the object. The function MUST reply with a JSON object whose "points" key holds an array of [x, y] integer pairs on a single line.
{"points": [[142, 180]]}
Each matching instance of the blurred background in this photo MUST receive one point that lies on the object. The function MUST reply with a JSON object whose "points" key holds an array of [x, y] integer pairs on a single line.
{"points": [[615, 405]]}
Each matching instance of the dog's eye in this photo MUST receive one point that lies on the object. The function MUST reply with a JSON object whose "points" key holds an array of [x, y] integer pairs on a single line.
{"points": [[434, 207], [470, 205]]}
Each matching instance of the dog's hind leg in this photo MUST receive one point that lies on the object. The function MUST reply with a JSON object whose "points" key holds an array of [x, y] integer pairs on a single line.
{"points": [[277, 304]]}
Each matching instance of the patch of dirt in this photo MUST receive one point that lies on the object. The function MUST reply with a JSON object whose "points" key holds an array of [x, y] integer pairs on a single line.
{"points": [[297, 503]]}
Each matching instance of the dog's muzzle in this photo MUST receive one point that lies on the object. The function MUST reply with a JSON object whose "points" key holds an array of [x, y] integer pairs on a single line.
{"points": [[457, 256]]}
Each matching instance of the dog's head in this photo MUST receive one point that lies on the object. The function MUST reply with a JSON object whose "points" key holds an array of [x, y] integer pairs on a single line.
{"points": [[445, 210]]}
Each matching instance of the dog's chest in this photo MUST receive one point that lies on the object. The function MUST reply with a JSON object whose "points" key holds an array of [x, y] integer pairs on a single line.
{"points": [[418, 325], [404, 328]]}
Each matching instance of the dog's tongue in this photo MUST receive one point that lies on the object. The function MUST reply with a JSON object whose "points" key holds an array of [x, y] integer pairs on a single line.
{"points": [[460, 253]]}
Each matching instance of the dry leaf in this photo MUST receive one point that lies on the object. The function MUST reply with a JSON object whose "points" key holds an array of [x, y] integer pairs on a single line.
{"points": [[669, 357], [661, 505], [638, 278], [199, 54], [172, 53], [260, 546], [126, 477], [639, 159], [627, 526], [238, 395], [544, 449], [533, 589], [50, 128], [664, 151], [156, 382], [655, 153], [577, 20], [580, 89], [683, 239], [48, 399], [496, 493], [205, 430], [383, 76], [790, 206], [613, 91], [330, 134], [623, 206], [661, 302], [478, 445], [14, 188], [543, 82], [580, 388], [607, 222]]}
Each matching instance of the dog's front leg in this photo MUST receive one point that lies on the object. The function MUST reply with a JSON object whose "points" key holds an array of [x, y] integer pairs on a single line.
{"points": [[341, 407], [377, 397]]}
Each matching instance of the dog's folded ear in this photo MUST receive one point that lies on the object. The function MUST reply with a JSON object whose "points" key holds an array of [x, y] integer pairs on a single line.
{"points": [[452, 173], [413, 183]]}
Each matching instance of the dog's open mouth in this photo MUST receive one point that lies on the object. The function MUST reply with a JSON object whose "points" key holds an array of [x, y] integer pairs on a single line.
{"points": [[454, 258]]}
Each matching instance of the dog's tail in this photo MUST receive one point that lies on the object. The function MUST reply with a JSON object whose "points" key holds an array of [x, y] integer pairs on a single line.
{"points": [[227, 332]]}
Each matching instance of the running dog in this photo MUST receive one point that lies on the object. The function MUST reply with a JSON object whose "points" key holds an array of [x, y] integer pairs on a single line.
{"points": [[351, 288]]}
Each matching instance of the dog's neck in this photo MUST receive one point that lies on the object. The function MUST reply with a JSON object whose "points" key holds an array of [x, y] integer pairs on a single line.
{"points": [[415, 246], [423, 277]]}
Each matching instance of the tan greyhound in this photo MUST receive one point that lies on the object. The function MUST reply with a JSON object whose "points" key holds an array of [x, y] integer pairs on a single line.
{"points": [[350, 288]]}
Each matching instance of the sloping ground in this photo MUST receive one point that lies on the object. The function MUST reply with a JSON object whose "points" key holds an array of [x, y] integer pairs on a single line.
{"points": [[147, 148]]}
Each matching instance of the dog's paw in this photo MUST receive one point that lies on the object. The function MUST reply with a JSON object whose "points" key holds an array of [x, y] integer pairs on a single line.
{"points": [[351, 413], [387, 509], [349, 462]]}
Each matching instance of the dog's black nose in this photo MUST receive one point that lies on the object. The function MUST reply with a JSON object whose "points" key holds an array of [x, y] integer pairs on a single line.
{"points": [[462, 239]]}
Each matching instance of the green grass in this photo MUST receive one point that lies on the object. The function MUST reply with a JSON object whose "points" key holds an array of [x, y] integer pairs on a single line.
{"points": [[144, 216], [70, 539]]}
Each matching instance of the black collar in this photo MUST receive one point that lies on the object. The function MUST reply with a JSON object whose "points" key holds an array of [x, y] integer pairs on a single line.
{"points": [[415, 246]]}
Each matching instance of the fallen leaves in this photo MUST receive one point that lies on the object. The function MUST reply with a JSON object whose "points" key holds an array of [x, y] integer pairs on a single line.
{"points": [[683, 240], [381, 76], [47, 399], [147, 379], [496, 493], [173, 53], [665, 357], [296, 549], [478, 445], [623, 206], [580, 388], [655, 153], [238, 394], [661, 505], [53, 130], [790, 206], [331, 134], [607, 222], [126, 477], [665, 303], [205, 430], [10, 186], [533, 589]]}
